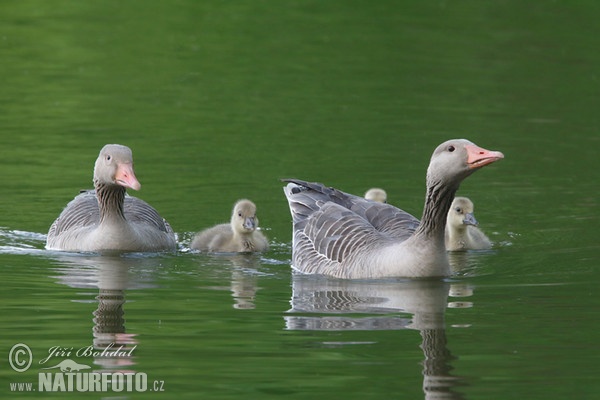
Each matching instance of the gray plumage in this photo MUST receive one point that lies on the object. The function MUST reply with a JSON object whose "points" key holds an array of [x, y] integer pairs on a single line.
{"points": [[347, 236], [106, 218]]}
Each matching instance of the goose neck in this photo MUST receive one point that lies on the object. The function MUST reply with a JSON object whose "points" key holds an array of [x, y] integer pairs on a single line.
{"points": [[437, 204], [111, 199]]}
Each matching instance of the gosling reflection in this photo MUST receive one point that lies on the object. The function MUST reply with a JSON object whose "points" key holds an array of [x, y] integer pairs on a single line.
{"points": [[421, 302], [114, 347], [243, 289], [464, 263], [245, 272]]}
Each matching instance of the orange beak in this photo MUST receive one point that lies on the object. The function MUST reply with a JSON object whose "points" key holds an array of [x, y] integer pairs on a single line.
{"points": [[478, 157], [126, 177]]}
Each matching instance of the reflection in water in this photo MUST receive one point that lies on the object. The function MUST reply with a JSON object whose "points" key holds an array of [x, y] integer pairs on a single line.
{"points": [[109, 317], [424, 302], [466, 263], [112, 276], [243, 289], [244, 280], [245, 271]]}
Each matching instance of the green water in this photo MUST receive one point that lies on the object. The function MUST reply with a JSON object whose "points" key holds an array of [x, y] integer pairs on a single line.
{"points": [[221, 99]]}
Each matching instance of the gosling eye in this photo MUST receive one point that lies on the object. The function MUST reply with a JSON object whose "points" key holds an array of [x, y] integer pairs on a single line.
{"points": [[451, 148], [108, 157], [239, 214], [458, 210]]}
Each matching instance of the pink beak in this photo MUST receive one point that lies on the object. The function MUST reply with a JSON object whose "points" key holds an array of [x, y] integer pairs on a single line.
{"points": [[126, 177], [478, 157]]}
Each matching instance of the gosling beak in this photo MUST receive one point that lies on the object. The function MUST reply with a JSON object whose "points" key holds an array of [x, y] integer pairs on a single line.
{"points": [[249, 223], [126, 177], [478, 157], [470, 219]]}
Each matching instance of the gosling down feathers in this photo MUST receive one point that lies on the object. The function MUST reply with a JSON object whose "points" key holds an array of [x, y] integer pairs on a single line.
{"points": [[346, 236], [376, 194], [239, 236], [462, 232], [106, 218]]}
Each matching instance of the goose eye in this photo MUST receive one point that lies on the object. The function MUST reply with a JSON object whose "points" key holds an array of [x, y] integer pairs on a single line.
{"points": [[239, 214], [108, 157], [451, 148]]}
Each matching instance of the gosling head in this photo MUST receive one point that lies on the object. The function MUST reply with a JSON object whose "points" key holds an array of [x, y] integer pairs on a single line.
{"points": [[243, 218], [376, 194], [461, 213]]}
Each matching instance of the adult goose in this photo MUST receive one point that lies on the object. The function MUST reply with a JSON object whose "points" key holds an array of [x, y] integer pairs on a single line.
{"points": [[462, 232], [346, 236], [106, 218], [238, 236]]}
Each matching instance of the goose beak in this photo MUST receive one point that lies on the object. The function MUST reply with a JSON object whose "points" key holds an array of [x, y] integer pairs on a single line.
{"points": [[478, 157], [470, 219], [126, 177], [249, 224]]}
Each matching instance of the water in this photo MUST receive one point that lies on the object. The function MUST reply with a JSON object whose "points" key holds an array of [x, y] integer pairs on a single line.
{"points": [[218, 101]]}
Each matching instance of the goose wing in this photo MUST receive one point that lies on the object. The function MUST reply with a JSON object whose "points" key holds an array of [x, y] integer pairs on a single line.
{"points": [[138, 211], [332, 238], [81, 212], [333, 229], [387, 219], [384, 218]]}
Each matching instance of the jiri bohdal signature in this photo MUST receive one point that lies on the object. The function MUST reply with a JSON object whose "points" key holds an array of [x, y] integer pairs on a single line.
{"points": [[88, 351]]}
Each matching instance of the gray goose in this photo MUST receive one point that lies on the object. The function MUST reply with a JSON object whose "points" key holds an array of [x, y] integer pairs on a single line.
{"points": [[346, 236], [238, 236], [462, 232], [106, 218]]}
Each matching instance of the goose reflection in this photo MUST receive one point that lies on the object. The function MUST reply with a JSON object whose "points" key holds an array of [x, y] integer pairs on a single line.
{"points": [[421, 304], [112, 276]]}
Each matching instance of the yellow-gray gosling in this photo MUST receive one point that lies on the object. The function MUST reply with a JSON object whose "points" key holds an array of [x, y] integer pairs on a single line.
{"points": [[376, 194], [238, 236], [461, 228]]}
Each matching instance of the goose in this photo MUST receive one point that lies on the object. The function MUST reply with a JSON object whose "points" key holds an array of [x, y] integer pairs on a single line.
{"points": [[238, 236], [461, 228], [376, 194], [345, 236], [106, 218]]}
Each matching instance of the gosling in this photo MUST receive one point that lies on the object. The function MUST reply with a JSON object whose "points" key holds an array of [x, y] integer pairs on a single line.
{"points": [[239, 236], [376, 194], [461, 228]]}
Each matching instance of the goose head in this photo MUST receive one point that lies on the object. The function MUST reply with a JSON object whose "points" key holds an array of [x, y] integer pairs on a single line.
{"points": [[376, 194], [114, 166], [454, 160], [461, 213], [243, 218]]}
